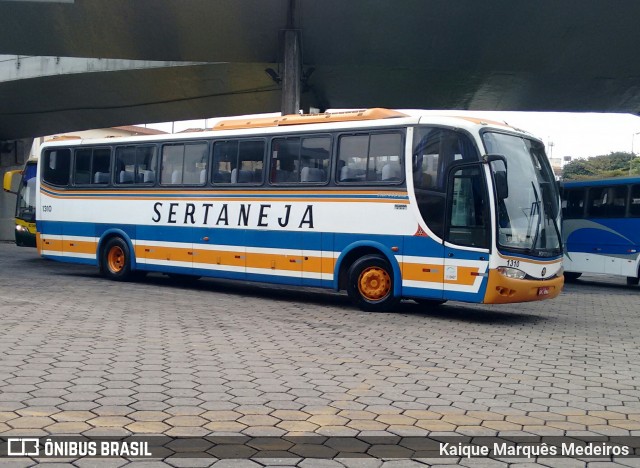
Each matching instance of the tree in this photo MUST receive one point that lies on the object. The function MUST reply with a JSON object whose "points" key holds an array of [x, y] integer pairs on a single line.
{"points": [[616, 164]]}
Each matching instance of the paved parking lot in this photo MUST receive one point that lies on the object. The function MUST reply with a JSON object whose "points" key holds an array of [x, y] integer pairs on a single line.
{"points": [[82, 355]]}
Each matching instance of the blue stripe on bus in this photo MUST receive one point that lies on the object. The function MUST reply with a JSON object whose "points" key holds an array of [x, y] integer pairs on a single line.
{"points": [[446, 294], [249, 237], [83, 261]]}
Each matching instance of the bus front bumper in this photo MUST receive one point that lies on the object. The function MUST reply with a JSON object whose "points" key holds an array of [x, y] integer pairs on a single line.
{"points": [[25, 233], [503, 290]]}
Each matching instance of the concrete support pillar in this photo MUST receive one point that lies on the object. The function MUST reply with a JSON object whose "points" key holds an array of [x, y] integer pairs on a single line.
{"points": [[291, 72], [13, 155]]}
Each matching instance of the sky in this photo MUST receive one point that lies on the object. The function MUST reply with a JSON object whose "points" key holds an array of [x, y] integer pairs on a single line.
{"points": [[579, 135]]}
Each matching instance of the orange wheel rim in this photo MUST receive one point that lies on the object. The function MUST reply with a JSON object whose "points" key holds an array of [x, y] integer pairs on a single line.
{"points": [[374, 283], [115, 259]]}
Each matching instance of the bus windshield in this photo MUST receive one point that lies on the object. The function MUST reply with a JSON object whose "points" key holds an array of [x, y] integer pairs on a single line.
{"points": [[25, 208], [528, 216]]}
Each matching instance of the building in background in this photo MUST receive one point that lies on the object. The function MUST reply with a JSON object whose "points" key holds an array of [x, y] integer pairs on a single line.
{"points": [[557, 164]]}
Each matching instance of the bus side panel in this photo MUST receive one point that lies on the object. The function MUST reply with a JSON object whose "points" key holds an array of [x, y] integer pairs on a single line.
{"points": [[50, 239], [329, 257], [466, 274], [422, 268], [312, 259], [164, 248], [79, 243], [602, 246]]}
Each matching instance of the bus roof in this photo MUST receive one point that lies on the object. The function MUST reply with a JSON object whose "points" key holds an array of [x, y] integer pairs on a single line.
{"points": [[371, 118], [295, 119]]}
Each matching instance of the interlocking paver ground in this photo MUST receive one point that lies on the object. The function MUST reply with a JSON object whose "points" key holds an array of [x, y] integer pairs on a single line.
{"points": [[79, 353]]}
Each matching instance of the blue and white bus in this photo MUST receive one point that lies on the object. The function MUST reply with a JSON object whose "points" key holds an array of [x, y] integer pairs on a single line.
{"points": [[601, 227], [378, 203]]}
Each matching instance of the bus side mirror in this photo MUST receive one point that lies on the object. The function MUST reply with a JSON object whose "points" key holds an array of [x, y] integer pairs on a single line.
{"points": [[498, 165], [8, 180]]}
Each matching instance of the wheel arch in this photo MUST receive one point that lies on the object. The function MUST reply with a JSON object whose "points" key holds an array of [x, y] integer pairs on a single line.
{"points": [[110, 234], [356, 250]]}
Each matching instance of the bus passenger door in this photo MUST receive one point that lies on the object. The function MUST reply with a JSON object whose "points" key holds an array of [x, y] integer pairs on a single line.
{"points": [[467, 234]]}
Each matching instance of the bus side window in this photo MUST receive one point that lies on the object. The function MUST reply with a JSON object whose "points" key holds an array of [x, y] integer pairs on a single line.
{"points": [[607, 202], [82, 166], [57, 166], [618, 205], [573, 205], [171, 164], [135, 165], [634, 201], [92, 166], [183, 164], [596, 206], [250, 167], [101, 166], [225, 156], [300, 160], [352, 153], [314, 159], [195, 163], [373, 157], [285, 161]]}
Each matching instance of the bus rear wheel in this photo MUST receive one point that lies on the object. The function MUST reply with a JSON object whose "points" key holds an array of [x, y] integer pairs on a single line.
{"points": [[632, 280], [370, 284], [116, 260]]}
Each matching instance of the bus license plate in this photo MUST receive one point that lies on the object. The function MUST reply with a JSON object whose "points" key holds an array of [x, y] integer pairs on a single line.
{"points": [[544, 291]]}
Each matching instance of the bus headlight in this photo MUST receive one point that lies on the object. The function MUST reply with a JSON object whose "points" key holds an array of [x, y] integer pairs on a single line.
{"points": [[512, 273], [20, 228]]}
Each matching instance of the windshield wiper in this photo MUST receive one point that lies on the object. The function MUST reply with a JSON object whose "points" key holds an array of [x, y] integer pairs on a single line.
{"points": [[535, 209]]}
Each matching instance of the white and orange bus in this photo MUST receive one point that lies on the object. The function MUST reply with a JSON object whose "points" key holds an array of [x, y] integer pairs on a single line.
{"points": [[378, 203]]}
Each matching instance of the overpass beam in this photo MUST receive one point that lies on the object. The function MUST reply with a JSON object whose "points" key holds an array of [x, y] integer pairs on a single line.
{"points": [[292, 72]]}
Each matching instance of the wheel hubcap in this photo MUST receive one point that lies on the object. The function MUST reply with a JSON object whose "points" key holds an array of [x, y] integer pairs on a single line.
{"points": [[115, 259], [374, 283]]}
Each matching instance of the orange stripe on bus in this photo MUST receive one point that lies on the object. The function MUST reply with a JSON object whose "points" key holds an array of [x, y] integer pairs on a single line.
{"points": [[422, 272], [238, 258], [84, 247], [51, 244], [465, 276]]}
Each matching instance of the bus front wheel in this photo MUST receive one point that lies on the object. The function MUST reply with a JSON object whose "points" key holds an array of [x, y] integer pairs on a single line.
{"points": [[370, 284], [116, 260], [632, 280]]}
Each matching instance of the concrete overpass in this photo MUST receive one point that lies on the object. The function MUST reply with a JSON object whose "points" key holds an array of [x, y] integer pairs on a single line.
{"points": [[68, 65], [208, 57]]}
